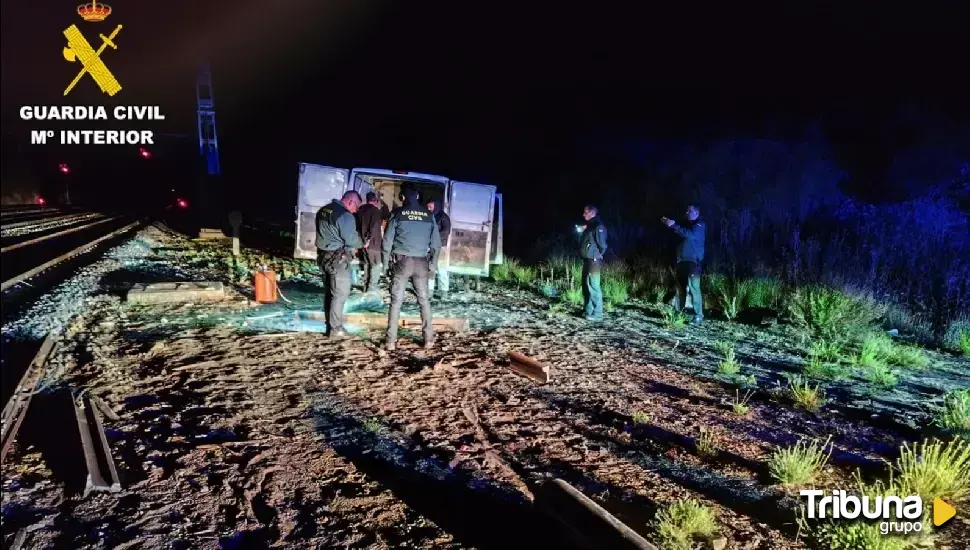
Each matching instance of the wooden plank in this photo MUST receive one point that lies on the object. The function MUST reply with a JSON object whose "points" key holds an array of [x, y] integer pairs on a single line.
{"points": [[593, 526], [46, 265], [528, 367], [377, 321]]}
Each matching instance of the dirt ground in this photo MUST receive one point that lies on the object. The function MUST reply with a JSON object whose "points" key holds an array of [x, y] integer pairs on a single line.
{"points": [[237, 429]]}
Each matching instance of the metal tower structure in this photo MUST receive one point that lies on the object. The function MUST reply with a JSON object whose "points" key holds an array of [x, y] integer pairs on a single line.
{"points": [[208, 141]]}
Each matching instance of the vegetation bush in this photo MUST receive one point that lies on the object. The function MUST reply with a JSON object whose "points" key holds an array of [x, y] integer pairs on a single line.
{"points": [[524, 275], [503, 272], [683, 523], [953, 413], [830, 314], [616, 289], [573, 295], [964, 341]]}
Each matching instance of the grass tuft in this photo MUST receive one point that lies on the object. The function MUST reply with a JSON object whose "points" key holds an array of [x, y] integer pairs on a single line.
{"points": [[860, 534], [640, 417], [706, 445], [729, 365], [880, 376], [799, 464], [935, 469], [953, 414], [809, 397], [573, 295], [683, 523], [672, 318], [616, 289], [740, 405], [910, 357]]}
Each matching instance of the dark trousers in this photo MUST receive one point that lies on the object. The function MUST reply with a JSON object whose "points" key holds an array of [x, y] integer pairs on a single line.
{"points": [[689, 280], [592, 291], [336, 283], [416, 270], [372, 269]]}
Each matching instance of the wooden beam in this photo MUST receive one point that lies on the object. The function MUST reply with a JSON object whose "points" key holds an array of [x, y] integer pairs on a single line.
{"points": [[377, 320], [528, 367], [593, 526]]}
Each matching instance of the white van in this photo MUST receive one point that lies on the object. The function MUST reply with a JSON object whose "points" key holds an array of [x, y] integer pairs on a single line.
{"points": [[475, 210]]}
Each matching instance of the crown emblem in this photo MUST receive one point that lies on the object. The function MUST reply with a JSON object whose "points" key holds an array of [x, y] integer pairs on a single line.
{"points": [[94, 12]]}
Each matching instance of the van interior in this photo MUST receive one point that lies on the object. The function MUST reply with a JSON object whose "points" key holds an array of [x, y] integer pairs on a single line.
{"points": [[389, 189]]}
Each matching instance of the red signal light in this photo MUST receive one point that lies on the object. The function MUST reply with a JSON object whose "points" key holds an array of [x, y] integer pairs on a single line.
{"points": [[65, 169], [182, 203], [145, 153], [41, 201]]}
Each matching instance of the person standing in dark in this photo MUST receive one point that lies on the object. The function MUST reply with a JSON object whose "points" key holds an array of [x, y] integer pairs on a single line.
{"points": [[411, 238], [690, 256], [369, 221], [592, 246], [443, 221], [337, 241]]}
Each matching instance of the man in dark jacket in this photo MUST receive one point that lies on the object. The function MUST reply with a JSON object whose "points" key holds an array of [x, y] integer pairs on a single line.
{"points": [[369, 223], [592, 246], [411, 245], [690, 256], [440, 276], [337, 241]]}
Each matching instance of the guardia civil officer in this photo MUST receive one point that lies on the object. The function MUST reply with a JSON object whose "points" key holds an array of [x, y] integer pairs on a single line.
{"points": [[411, 245], [337, 242]]}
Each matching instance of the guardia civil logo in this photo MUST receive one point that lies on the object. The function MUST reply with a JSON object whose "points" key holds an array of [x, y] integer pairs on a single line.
{"points": [[79, 49]]}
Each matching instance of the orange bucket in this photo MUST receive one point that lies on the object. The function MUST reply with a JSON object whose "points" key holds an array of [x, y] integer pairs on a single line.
{"points": [[265, 286]]}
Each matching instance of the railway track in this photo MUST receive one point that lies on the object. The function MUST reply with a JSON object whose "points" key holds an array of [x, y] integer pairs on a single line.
{"points": [[49, 251]]}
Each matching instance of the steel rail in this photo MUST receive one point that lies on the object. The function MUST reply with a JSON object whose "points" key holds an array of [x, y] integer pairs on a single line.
{"points": [[52, 235], [28, 274], [40, 221], [16, 408]]}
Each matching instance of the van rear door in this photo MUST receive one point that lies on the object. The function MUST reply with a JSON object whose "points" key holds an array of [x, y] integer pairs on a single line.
{"points": [[471, 207], [497, 256], [318, 186]]}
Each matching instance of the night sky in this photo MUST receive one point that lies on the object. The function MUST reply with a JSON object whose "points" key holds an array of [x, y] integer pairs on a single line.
{"points": [[484, 91]]}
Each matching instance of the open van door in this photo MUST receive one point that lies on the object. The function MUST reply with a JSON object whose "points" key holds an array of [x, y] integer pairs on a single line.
{"points": [[319, 185], [471, 207], [497, 256]]}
